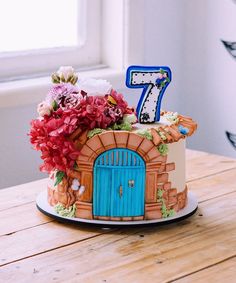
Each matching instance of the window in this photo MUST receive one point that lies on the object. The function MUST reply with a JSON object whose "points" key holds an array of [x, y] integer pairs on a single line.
{"points": [[38, 36]]}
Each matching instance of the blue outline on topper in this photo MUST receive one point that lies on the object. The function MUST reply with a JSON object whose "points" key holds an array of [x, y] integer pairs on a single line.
{"points": [[147, 69]]}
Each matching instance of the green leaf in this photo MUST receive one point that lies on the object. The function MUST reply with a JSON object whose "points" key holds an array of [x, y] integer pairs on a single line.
{"points": [[162, 84], [162, 71], [54, 105], [94, 132], [59, 176]]}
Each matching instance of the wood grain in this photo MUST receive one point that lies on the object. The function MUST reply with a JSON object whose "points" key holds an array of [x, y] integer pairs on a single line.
{"points": [[201, 167], [214, 186], [144, 255], [33, 248], [21, 217], [44, 238], [18, 195], [218, 273]]}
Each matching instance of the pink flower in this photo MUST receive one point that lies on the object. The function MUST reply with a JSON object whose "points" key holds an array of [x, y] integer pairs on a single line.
{"points": [[44, 109], [60, 93]]}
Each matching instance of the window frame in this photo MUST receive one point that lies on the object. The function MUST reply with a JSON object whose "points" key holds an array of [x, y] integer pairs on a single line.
{"points": [[22, 64], [31, 89]]}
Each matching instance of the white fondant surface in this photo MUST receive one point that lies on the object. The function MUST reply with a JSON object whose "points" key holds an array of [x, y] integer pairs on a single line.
{"points": [[163, 122], [177, 155]]}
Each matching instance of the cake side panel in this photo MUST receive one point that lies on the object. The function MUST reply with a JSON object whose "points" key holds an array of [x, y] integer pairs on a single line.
{"points": [[176, 155]]}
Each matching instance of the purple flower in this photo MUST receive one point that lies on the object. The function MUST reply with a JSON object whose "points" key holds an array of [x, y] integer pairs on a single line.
{"points": [[65, 95]]}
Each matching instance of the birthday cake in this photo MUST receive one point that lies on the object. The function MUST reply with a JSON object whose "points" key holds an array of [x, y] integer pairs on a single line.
{"points": [[109, 161]]}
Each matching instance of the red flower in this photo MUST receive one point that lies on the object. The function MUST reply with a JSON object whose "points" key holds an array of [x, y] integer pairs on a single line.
{"points": [[50, 134]]}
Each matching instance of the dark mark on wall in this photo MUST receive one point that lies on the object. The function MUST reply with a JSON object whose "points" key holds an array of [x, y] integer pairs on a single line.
{"points": [[232, 138], [230, 47]]}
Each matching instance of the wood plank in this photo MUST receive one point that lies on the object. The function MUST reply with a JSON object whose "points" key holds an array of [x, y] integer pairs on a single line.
{"points": [[205, 189], [44, 238], [21, 194], [21, 217], [214, 186], [157, 254], [201, 167], [222, 272]]}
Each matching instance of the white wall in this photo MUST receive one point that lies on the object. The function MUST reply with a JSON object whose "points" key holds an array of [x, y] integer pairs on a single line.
{"points": [[184, 35], [210, 85]]}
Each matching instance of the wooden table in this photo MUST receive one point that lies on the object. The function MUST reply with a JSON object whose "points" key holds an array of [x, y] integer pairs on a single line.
{"points": [[202, 248]]}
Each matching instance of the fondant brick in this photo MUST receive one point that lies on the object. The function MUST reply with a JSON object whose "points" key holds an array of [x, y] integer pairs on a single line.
{"points": [[159, 158], [121, 138], [86, 151], [155, 137], [108, 140], [172, 200], [134, 141], [152, 211], [95, 144], [166, 134], [115, 218], [162, 168], [153, 166], [144, 147], [180, 196], [167, 186], [151, 185], [153, 153], [136, 218], [174, 132], [165, 196], [126, 218], [170, 167], [82, 158], [176, 207], [172, 192], [83, 210], [87, 182], [162, 178]]}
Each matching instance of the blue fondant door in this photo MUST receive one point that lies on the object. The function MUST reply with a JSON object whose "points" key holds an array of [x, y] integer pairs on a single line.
{"points": [[119, 183]]}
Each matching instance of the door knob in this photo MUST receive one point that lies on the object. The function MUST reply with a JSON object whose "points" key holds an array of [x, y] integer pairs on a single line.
{"points": [[131, 183], [121, 191]]}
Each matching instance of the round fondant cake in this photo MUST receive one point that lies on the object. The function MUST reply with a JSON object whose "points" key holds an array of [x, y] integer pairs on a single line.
{"points": [[106, 160]]}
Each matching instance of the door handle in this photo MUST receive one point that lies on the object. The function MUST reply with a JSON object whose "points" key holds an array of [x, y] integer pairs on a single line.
{"points": [[121, 191], [131, 183]]}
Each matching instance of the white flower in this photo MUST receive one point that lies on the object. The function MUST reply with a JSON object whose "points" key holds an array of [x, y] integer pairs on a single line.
{"points": [[95, 87], [75, 185], [44, 109], [172, 117], [130, 118], [66, 72], [81, 190]]}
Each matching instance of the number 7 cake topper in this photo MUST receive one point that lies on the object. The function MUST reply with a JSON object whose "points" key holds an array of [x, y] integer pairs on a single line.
{"points": [[154, 81]]}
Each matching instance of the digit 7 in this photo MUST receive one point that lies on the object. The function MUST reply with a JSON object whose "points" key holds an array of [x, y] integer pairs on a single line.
{"points": [[154, 81]]}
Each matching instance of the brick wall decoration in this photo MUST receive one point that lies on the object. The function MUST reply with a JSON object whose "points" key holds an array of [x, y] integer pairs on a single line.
{"points": [[161, 199]]}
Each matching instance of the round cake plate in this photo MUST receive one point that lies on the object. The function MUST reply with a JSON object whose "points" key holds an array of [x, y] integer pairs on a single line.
{"points": [[45, 208]]}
